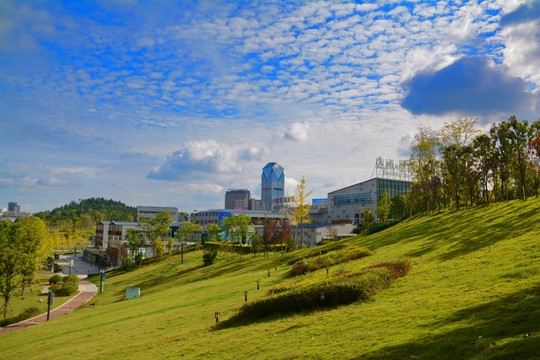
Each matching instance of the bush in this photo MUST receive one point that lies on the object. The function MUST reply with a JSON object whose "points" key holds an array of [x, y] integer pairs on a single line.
{"points": [[54, 288], [293, 261], [339, 289], [26, 314], [322, 258], [209, 257], [66, 290], [57, 268], [72, 279], [375, 228], [55, 279]]}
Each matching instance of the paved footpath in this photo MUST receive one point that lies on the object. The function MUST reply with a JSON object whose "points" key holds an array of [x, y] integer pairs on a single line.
{"points": [[87, 290]]}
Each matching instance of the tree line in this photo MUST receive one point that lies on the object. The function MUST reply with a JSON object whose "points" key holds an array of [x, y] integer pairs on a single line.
{"points": [[459, 166]]}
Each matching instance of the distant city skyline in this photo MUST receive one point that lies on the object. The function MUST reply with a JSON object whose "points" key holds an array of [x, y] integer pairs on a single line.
{"points": [[171, 103]]}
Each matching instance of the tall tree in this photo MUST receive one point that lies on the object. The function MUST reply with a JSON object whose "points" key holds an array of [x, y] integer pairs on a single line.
{"points": [[186, 230], [300, 212], [214, 230], [10, 264], [423, 164], [383, 207], [155, 229], [31, 237], [135, 241], [368, 219]]}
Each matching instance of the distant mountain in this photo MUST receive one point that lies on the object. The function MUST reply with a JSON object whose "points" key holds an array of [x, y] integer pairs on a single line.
{"points": [[94, 209]]}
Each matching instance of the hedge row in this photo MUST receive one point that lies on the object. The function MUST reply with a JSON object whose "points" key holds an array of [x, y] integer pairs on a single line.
{"points": [[26, 314], [339, 289], [321, 259]]}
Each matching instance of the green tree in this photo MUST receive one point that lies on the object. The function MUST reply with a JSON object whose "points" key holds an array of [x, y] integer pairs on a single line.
{"points": [[186, 230], [423, 164], [31, 236], [155, 228], [10, 264], [398, 207], [300, 212], [214, 230], [368, 219], [383, 207], [135, 241]]}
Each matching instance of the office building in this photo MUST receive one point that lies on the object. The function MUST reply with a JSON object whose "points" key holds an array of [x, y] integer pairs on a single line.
{"points": [[14, 207], [348, 204], [272, 185], [237, 199]]}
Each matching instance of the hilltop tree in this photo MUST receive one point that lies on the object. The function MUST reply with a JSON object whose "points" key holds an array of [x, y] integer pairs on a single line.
{"points": [[300, 212]]}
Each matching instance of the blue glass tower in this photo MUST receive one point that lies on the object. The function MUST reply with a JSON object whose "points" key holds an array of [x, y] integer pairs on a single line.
{"points": [[272, 185]]}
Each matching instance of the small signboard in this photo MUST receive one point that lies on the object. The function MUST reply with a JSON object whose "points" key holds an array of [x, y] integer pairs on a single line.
{"points": [[133, 293]]}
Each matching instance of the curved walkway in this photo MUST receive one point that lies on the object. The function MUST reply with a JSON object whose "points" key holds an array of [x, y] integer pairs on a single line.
{"points": [[87, 290]]}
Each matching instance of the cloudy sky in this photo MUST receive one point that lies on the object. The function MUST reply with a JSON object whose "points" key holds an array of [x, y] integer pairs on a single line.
{"points": [[171, 103]]}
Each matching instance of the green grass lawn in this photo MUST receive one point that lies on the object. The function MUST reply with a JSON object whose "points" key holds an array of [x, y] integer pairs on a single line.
{"points": [[32, 297], [473, 292]]}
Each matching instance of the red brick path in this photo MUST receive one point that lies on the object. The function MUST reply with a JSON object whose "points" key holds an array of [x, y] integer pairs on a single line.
{"points": [[87, 292]]}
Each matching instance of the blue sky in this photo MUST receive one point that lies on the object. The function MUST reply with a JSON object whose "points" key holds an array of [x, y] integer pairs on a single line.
{"points": [[172, 103]]}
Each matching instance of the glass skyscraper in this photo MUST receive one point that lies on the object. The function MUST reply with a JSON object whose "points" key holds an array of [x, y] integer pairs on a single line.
{"points": [[272, 185]]}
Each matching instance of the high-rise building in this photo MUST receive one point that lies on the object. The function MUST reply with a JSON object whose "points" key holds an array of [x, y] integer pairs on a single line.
{"points": [[237, 199], [14, 207], [272, 185]]}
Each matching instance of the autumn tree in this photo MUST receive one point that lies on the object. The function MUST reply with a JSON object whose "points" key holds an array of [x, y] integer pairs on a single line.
{"points": [[300, 212]]}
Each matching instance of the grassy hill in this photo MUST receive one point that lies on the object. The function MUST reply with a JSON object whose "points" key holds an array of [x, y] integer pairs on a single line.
{"points": [[473, 292]]}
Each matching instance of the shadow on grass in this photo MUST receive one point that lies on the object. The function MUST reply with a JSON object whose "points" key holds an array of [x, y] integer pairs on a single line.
{"points": [[234, 322], [507, 328], [461, 231]]}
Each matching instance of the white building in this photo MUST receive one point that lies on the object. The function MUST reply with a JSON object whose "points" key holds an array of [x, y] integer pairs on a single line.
{"points": [[149, 212]]}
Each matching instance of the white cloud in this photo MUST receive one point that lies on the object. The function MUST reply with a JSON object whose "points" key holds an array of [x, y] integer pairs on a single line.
{"points": [[298, 132]]}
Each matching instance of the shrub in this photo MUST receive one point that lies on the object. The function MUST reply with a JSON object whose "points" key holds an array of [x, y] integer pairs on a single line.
{"points": [[26, 314], [54, 288], [57, 268], [209, 256], [339, 289], [375, 228], [322, 258], [72, 279], [66, 290], [293, 261], [55, 279]]}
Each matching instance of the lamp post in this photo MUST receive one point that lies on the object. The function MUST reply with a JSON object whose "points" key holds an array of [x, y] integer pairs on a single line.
{"points": [[245, 295], [216, 314], [321, 294], [258, 282], [268, 272], [327, 268]]}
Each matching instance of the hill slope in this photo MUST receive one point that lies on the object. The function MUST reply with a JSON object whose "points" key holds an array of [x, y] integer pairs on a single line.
{"points": [[473, 292]]}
